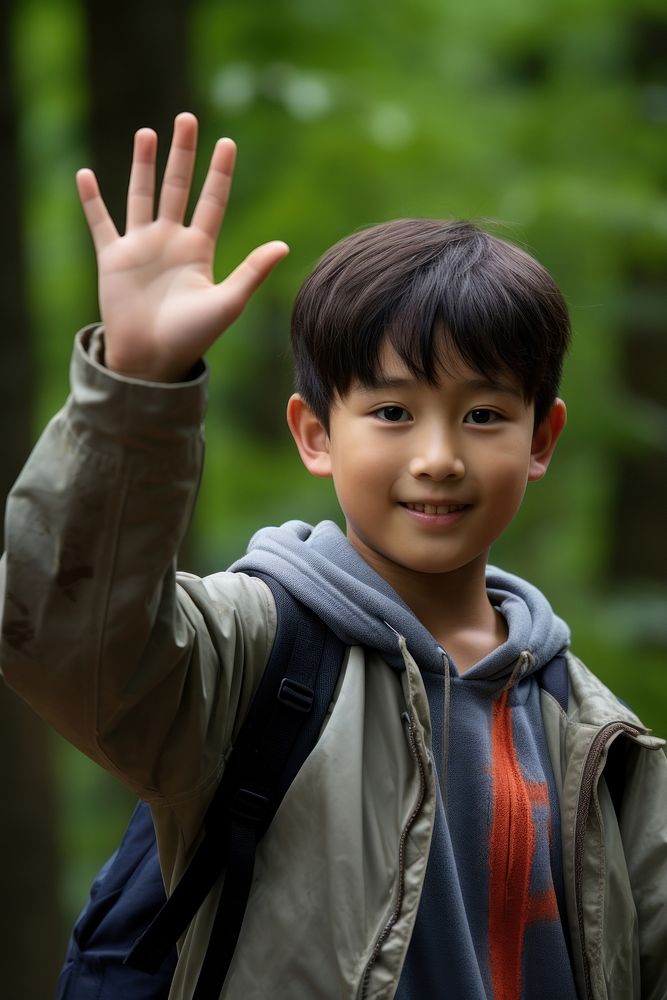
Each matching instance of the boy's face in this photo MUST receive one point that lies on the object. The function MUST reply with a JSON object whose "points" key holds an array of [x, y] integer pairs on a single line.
{"points": [[428, 476]]}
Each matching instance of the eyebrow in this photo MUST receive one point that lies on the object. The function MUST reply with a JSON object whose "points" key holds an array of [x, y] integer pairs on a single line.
{"points": [[495, 386], [388, 383], [480, 384]]}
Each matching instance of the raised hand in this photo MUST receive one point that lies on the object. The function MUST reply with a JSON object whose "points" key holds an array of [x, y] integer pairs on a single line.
{"points": [[160, 306]]}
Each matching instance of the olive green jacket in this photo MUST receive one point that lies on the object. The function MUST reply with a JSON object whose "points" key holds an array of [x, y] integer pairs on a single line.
{"points": [[151, 672]]}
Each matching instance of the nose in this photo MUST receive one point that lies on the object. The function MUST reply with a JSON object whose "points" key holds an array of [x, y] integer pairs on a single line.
{"points": [[437, 457]]}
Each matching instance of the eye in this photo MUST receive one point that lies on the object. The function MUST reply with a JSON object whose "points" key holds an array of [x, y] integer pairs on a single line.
{"points": [[482, 416], [392, 414]]}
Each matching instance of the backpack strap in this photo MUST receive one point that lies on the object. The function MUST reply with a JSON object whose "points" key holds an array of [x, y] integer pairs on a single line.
{"points": [[553, 678], [282, 726]]}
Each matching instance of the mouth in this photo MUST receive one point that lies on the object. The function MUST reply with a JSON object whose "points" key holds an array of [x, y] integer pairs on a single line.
{"points": [[428, 508]]}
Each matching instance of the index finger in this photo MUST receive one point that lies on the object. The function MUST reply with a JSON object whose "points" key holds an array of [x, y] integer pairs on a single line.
{"points": [[212, 203]]}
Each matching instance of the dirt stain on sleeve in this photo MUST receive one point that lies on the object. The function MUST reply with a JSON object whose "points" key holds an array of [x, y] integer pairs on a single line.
{"points": [[17, 633], [19, 630]]}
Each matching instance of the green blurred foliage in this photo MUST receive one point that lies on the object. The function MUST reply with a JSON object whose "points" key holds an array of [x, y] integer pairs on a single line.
{"points": [[547, 120]]}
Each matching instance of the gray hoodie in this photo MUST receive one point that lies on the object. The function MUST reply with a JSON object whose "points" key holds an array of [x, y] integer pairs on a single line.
{"points": [[491, 920]]}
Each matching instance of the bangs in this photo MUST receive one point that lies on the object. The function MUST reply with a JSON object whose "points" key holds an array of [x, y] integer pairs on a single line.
{"points": [[430, 333], [435, 292]]}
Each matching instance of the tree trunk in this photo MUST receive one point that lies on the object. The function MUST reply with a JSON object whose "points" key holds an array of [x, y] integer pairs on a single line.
{"points": [[31, 943], [138, 58], [137, 71], [640, 498]]}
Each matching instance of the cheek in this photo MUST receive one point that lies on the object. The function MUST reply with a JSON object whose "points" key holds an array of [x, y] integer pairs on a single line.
{"points": [[363, 484], [509, 482], [357, 466]]}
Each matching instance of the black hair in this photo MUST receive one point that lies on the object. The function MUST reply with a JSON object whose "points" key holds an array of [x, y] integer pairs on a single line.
{"points": [[432, 289]]}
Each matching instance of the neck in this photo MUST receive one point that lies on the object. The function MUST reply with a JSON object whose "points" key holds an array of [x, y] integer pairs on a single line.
{"points": [[456, 610]]}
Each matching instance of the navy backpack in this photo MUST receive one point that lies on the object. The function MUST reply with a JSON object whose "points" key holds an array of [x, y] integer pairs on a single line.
{"points": [[125, 896]]}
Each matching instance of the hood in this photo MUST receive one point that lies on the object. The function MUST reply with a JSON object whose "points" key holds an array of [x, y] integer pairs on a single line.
{"points": [[322, 570]]}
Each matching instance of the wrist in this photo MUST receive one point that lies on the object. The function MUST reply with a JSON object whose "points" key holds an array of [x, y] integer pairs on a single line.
{"points": [[94, 344], [145, 370]]}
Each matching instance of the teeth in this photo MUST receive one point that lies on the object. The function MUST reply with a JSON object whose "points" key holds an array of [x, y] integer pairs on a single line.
{"points": [[427, 508]]}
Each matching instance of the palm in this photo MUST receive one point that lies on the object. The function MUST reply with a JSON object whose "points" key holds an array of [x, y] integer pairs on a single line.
{"points": [[153, 281], [159, 304]]}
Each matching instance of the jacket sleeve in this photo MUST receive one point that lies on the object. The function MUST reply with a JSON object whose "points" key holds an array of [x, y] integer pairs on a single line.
{"points": [[145, 670]]}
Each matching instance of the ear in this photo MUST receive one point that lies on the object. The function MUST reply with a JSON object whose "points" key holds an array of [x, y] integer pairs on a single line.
{"points": [[545, 438], [310, 436]]}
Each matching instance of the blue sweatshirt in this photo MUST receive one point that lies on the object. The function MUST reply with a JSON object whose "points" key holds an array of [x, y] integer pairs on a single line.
{"points": [[491, 923]]}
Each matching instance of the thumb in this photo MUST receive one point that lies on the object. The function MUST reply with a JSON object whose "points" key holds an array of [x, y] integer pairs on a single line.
{"points": [[239, 286]]}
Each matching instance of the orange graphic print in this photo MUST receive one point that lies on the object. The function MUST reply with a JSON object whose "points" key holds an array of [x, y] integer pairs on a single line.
{"points": [[512, 907]]}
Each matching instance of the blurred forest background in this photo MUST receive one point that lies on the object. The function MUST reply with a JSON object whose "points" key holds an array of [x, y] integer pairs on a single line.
{"points": [[547, 119]]}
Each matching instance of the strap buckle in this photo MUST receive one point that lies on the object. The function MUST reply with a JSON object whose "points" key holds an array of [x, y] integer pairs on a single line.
{"points": [[250, 806], [295, 695]]}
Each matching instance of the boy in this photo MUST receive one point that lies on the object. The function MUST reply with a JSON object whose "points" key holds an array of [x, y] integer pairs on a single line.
{"points": [[454, 833]]}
